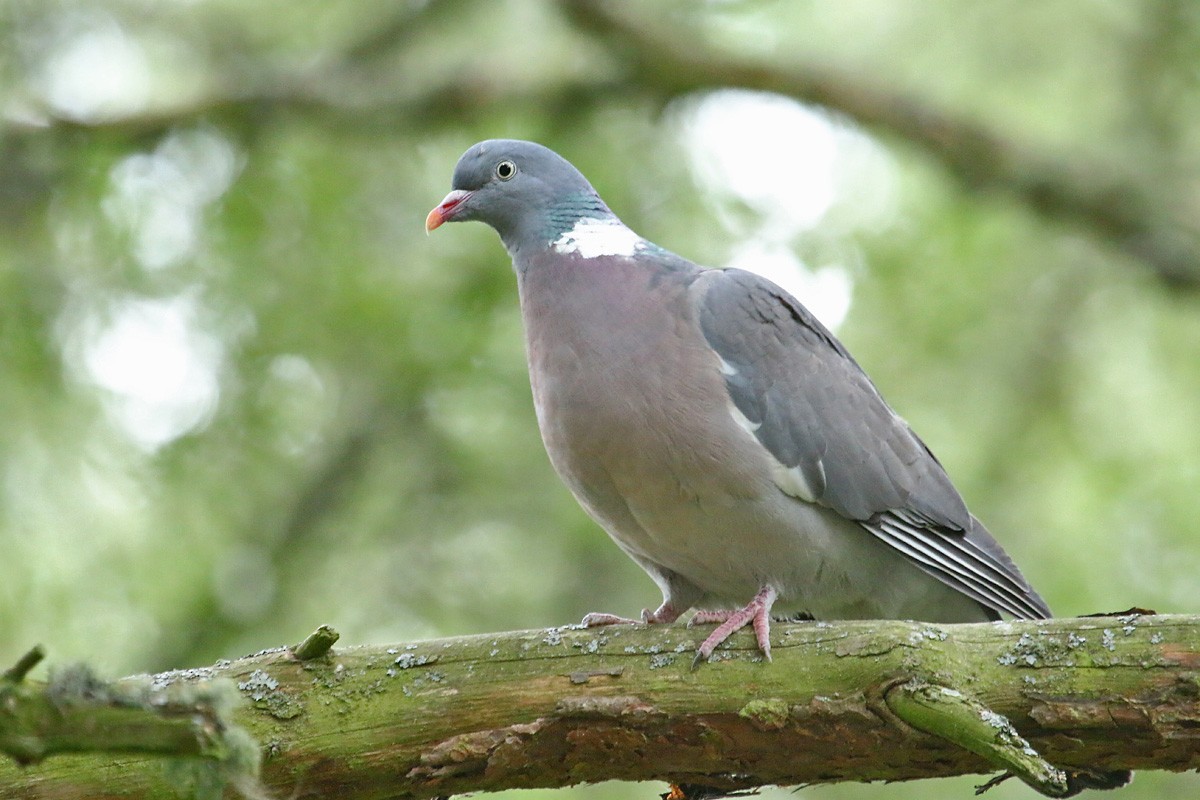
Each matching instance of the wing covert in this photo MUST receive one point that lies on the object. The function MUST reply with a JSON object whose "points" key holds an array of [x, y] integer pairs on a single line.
{"points": [[836, 442]]}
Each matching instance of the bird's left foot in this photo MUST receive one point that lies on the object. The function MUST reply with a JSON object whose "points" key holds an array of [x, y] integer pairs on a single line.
{"points": [[757, 613]]}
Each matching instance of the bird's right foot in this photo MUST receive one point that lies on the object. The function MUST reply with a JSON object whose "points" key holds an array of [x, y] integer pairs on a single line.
{"points": [[665, 613]]}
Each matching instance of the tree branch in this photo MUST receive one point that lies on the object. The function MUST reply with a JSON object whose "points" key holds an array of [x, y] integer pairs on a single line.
{"points": [[1097, 196], [841, 701], [75, 712], [659, 61]]}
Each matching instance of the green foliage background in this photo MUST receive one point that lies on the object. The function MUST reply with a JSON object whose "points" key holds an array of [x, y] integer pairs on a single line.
{"points": [[343, 431]]}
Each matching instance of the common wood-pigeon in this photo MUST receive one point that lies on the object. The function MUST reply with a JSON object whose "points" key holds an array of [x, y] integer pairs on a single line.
{"points": [[719, 433]]}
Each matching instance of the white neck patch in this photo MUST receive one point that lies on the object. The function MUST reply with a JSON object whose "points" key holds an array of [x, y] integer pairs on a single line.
{"points": [[592, 237]]}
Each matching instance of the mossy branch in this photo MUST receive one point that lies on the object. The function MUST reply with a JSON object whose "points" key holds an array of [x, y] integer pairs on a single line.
{"points": [[841, 701], [76, 712]]}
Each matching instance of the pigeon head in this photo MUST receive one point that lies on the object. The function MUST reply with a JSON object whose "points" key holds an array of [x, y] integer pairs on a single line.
{"points": [[528, 193]]}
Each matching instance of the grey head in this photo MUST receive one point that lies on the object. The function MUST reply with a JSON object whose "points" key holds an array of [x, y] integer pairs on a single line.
{"points": [[528, 193]]}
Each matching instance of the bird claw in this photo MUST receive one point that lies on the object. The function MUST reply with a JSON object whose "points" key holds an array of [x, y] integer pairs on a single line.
{"points": [[709, 617], [756, 613], [598, 619], [664, 614]]}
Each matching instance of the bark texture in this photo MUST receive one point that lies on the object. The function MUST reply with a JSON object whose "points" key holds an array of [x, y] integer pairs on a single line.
{"points": [[562, 706]]}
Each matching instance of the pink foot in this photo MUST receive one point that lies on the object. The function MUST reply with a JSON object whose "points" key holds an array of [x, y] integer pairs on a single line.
{"points": [[665, 613], [756, 612]]}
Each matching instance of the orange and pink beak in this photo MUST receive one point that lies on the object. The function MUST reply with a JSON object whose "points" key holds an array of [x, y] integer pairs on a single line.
{"points": [[445, 210]]}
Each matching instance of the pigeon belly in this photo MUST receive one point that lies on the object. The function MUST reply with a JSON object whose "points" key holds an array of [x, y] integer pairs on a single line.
{"points": [[668, 473]]}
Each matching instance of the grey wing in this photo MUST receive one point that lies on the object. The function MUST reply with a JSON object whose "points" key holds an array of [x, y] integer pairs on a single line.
{"points": [[836, 442]]}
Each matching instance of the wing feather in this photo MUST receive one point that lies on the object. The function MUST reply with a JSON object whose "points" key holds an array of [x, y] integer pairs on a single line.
{"points": [[839, 444]]}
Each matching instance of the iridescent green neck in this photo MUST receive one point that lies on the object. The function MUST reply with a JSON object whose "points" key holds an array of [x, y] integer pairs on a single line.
{"points": [[563, 216]]}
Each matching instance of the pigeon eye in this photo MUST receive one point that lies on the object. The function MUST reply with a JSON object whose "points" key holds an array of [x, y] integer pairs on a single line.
{"points": [[505, 170]]}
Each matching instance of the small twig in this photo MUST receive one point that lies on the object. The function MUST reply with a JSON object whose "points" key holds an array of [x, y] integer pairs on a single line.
{"points": [[316, 644], [17, 672]]}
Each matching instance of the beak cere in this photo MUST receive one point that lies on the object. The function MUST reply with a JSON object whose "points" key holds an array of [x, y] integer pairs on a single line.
{"points": [[445, 210]]}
